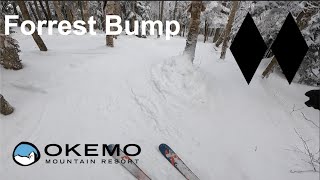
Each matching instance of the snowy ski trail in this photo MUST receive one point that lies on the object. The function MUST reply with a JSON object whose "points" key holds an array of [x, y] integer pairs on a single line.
{"points": [[142, 92]]}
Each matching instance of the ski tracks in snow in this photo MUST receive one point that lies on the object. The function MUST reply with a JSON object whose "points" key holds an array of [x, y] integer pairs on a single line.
{"points": [[147, 106], [152, 108]]}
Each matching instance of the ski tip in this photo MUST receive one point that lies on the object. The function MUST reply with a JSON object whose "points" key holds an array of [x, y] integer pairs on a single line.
{"points": [[110, 146], [162, 145]]}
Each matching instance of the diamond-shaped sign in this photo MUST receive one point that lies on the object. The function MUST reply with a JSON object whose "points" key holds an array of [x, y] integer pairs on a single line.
{"points": [[289, 48], [248, 48]]}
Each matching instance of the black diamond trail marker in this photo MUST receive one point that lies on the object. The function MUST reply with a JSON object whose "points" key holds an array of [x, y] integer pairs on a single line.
{"points": [[289, 48], [248, 48]]}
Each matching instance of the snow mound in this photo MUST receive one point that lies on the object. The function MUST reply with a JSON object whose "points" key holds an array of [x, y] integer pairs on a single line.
{"points": [[179, 78]]}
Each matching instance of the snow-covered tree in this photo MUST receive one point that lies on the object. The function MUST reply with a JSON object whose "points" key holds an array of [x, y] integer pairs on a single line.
{"points": [[136, 10], [270, 16], [96, 10], [183, 17], [5, 107], [9, 48], [309, 71], [214, 17]]}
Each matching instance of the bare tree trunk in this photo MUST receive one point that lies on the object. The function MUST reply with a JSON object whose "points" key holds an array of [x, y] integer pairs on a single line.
{"points": [[133, 18], [48, 10], [181, 30], [205, 31], [5, 107], [220, 39], [63, 9], [74, 9], [173, 27], [175, 10], [26, 16], [104, 15], [235, 6], [44, 10], [195, 9], [37, 10], [57, 8], [160, 18], [179, 21], [70, 16], [81, 9], [184, 30], [33, 12], [117, 11], [270, 66], [16, 12], [211, 30], [110, 9], [85, 5], [216, 35]]}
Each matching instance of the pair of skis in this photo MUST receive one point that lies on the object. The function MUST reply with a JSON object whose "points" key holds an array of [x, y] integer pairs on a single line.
{"points": [[167, 152]]}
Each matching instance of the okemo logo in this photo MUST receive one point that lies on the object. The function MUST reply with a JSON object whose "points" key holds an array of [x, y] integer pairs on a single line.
{"points": [[249, 48], [26, 153]]}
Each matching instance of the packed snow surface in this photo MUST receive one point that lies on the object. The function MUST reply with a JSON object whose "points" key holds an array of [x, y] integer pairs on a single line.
{"points": [[144, 91]]}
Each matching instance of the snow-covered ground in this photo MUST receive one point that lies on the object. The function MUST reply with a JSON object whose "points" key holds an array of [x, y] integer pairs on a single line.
{"points": [[141, 91]]}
